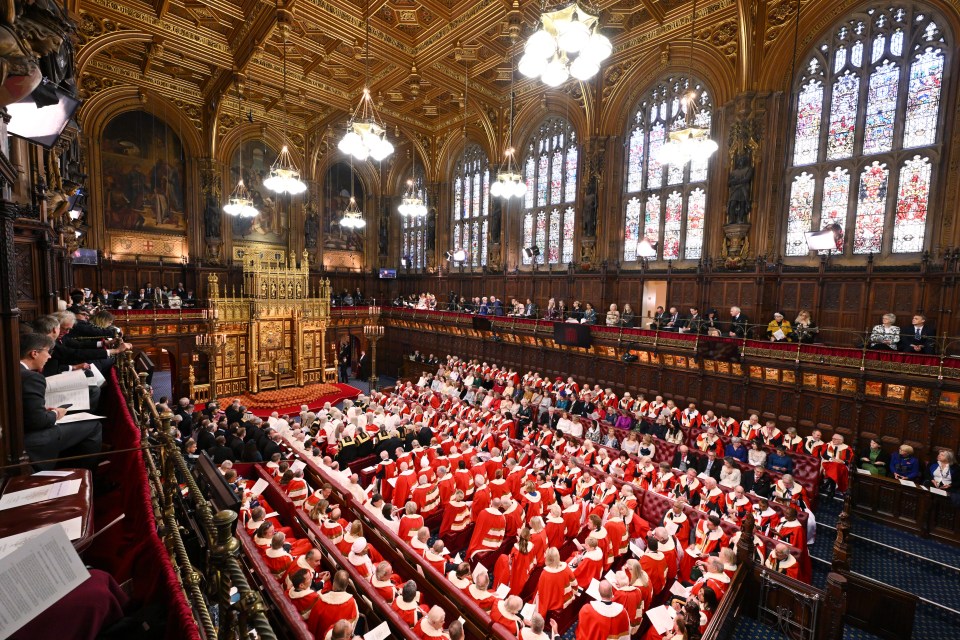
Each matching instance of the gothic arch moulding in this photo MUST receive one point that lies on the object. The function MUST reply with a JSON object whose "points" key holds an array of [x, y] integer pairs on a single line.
{"points": [[817, 18], [453, 148], [536, 109], [630, 81]]}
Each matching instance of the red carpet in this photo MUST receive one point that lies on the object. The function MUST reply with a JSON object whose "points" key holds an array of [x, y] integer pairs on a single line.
{"points": [[288, 401]]}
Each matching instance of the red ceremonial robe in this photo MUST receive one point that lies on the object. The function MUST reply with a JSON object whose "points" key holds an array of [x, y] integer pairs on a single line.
{"points": [[511, 622], [556, 590], [401, 491], [789, 567], [332, 607], [589, 568], [488, 533], [303, 600], [631, 598], [456, 517], [603, 621], [409, 525]]}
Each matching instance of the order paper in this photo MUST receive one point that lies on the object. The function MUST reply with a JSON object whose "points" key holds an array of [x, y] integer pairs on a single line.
{"points": [[80, 416], [39, 494], [68, 388], [73, 528], [662, 618], [36, 575]]}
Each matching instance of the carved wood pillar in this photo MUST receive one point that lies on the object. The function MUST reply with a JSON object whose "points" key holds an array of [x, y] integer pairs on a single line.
{"points": [[11, 413]]}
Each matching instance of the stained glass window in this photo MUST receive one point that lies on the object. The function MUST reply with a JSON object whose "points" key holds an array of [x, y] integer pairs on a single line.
{"points": [[673, 218], [631, 230], [800, 214], [871, 202], [867, 93], [551, 164], [413, 230], [910, 220], [923, 99], [696, 206], [472, 207]]}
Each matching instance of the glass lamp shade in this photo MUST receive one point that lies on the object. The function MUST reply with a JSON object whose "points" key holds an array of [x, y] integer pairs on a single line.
{"points": [[496, 189], [532, 66], [598, 48], [556, 73], [540, 45], [573, 36], [584, 68]]}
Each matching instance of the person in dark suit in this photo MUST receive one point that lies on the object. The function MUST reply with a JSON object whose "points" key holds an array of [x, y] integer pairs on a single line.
{"points": [[919, 338], [739, 323], [693, 324], [658, 319], [271, 445], [710, 465], [207, 437], [530, 310], [672, 321], [684, 460], [388, 443], [220, 451], [425, 436], [757, 482], [43, 439], [363, 366]]}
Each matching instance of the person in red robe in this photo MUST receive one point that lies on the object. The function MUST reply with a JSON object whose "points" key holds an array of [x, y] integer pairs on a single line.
{"points": [[507, 613], [617, 533], [639, 579], [408, 606], [513, 515], [557, 586], [709, 538], [603, 619], [489, 531], [588, 563], [410, 521], [456, 515], [572, 516], [556, 528], [464, 479], [522, 561], [276, 557], [481, 496], [385, 470], [264, 537], [301, 595], [676, 522], [309, 561], [781, 561], [836, 458], [538, 538], [386, 582], [406, 480], [437, 556], [446, 485], [654, 563], [431, 625], [790, 531], [333, 606], [426, 496], [631, 597], [477, 591]]}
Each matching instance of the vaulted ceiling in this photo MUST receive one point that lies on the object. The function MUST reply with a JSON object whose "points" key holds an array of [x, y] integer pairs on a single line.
{"points": [[195, 52]]}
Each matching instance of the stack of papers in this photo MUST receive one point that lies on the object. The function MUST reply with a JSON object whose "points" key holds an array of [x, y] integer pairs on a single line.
{"points": [[39, 494], [662, 618]]}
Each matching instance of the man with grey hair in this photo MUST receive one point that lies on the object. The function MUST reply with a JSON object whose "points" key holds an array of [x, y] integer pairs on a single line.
{"points": [[603, 619]]}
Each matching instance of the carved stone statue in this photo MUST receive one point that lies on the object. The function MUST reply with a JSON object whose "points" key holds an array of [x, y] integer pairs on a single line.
{"points": [[740, 182], [383, 235], [212, 217], [496, 215], [311, 229], [590, 208]]}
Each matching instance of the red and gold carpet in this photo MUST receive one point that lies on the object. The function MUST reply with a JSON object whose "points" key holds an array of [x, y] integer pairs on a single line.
{"points": [[289, 400]]}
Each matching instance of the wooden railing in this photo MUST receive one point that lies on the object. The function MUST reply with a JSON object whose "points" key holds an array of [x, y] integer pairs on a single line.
{"points": [[913, 509]]}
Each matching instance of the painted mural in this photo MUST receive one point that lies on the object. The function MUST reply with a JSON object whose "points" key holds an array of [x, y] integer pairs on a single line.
{"points": [[272, 224], [143, 175], [336, 194]]}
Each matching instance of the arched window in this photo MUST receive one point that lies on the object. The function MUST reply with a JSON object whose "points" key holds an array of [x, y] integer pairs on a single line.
{"points": [[471, 206], [866, 126], [414, 229], [665, 204], [550, 170]]}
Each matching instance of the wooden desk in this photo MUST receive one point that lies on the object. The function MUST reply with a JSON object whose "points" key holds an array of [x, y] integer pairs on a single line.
{"points": [[911, 508], [41, 514]]}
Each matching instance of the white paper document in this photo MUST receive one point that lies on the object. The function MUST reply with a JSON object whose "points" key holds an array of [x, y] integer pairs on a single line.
{"points": [[863, 472], [672, 528], [939, 492], [779, 334], [528, 610], [679, 590], [594, 589], [68, 388], [80, 416], [73, 528], [97, 380], [39, 494], [35, 576], [610, 577], [908, 483], [502, 591], [378, 633], [258, 487], [298, 466], [52, 474], [662, 618], [637, 551]]}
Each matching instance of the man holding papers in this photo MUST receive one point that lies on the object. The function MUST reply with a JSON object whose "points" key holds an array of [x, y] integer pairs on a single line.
{"points": [[44, 438]]}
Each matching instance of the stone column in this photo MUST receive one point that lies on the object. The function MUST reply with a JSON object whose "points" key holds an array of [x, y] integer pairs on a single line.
{"points": [[215, 227]]}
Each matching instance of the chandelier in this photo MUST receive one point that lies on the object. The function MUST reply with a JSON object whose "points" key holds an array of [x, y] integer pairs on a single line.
{"points": [[689, 141], [568, 43], [284, 176], [352, 217], [366, 137], [411, 205], [509, 182], [239, 204]]}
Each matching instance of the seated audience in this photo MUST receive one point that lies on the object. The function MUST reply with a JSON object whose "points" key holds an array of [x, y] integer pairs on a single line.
{"points": [[805, 328], [779, 329], [904, 465], [874, 459], [944, 473], [613, 316], [918, 338], [885, 336]]}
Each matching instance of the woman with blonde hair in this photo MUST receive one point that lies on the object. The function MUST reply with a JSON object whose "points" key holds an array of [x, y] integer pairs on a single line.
{"points": [[805, 328]]}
